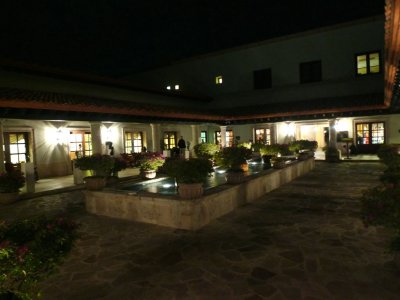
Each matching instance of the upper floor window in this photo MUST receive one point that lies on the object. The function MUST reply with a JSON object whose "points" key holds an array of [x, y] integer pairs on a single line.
{"points": [[368, 63], [176, 87], [310, 71], [218, 79], [262, 79]]}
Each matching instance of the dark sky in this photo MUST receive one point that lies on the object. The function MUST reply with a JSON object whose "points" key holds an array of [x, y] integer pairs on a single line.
{"points": [[117, 37]]}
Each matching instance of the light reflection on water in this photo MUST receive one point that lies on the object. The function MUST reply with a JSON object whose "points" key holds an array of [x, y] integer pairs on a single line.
{"points": [[167, 186]]}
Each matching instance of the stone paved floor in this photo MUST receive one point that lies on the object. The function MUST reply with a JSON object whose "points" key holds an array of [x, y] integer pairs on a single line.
{"points": [[301, 241]]}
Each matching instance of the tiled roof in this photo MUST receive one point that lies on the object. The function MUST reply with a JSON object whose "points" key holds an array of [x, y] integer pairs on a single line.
{"points": [[18, 103]]}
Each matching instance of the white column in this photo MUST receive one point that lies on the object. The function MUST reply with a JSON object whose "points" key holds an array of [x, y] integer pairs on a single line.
{"points": [[95, 130], [223, 136], [195, 136], [332, 133], [2, 167], [155, 137], [29, 171]]}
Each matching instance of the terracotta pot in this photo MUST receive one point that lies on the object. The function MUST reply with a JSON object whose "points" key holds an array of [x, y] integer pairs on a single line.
{"points": [[148, 174], [234, 177], [8, 198], [245, 167], [190, 190], [94, 183]]}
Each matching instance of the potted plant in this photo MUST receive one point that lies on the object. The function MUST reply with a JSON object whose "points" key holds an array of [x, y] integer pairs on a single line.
{"points": [[190, 174], [149, 164], [120, 163], [235, 160], [332, 154], [10, 183], [100, 167], [278, 162], [31, 250]]}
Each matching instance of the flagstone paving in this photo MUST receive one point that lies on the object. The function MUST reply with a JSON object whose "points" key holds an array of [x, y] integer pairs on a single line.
{"points": [[302, 241]]}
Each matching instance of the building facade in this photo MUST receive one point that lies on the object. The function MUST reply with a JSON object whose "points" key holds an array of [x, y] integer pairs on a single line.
{"points": [[320, 85]]}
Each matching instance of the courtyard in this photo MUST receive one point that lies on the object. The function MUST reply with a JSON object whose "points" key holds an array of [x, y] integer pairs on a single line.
{"points": [[304, 240]]}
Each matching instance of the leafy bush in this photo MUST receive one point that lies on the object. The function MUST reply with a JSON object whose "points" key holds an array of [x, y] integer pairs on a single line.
{"points": [[381, 205], [298, 145], [99, 165], [275, 149], [194, 170], [233, 157], [30, 250], [206, 150]]}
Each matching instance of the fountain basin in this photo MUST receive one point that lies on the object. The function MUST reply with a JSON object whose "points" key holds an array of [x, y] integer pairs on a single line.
{"points": [[171, 211]]}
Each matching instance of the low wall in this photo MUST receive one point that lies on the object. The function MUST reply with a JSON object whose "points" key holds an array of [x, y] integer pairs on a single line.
{"points": [[174, 212]]}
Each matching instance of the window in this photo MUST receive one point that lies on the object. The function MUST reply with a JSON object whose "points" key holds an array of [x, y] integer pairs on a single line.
{"points": [[368, 63], [218, 79], [203, 136], [263, 136], [228, 138], [262, 79], [16, 147], [176, 87], [169, 139], [80, 144], [370, 133], [133, 142], [310, 71]]}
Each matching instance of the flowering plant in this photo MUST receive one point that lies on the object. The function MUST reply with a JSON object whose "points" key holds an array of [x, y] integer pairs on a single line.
{"points": [[30, 250], [11, 181], [151, 161], [99, 165]]}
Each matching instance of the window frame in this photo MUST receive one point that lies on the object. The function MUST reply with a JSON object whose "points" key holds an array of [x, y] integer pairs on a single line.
{"points": [[131, 140], [205, 139], [370, 136], [168, 145], [229, 138], [368, 63], [87, 147]]}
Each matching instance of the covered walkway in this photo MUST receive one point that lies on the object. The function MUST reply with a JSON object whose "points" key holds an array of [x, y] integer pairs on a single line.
{"points": [[302, 241]]}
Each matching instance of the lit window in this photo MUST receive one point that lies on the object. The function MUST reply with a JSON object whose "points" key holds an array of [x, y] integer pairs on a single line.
{"points": [[263, 136], [370, 133], [169, 140], [168, 87], [133, 142], [368, 63], [176, 86], [203, 136], [218, 79], [228, 138]]}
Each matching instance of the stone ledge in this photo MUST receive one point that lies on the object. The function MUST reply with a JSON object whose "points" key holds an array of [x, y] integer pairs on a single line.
{"points": [[172, 211]]}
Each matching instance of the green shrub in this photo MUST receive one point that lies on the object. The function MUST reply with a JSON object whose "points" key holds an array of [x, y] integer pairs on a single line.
{"points": [[206, 150], [298, 145], [233, 157], [194, 170]]}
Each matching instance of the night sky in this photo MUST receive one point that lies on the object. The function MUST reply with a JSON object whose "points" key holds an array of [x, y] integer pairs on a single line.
{"points": [[118, 37]]}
